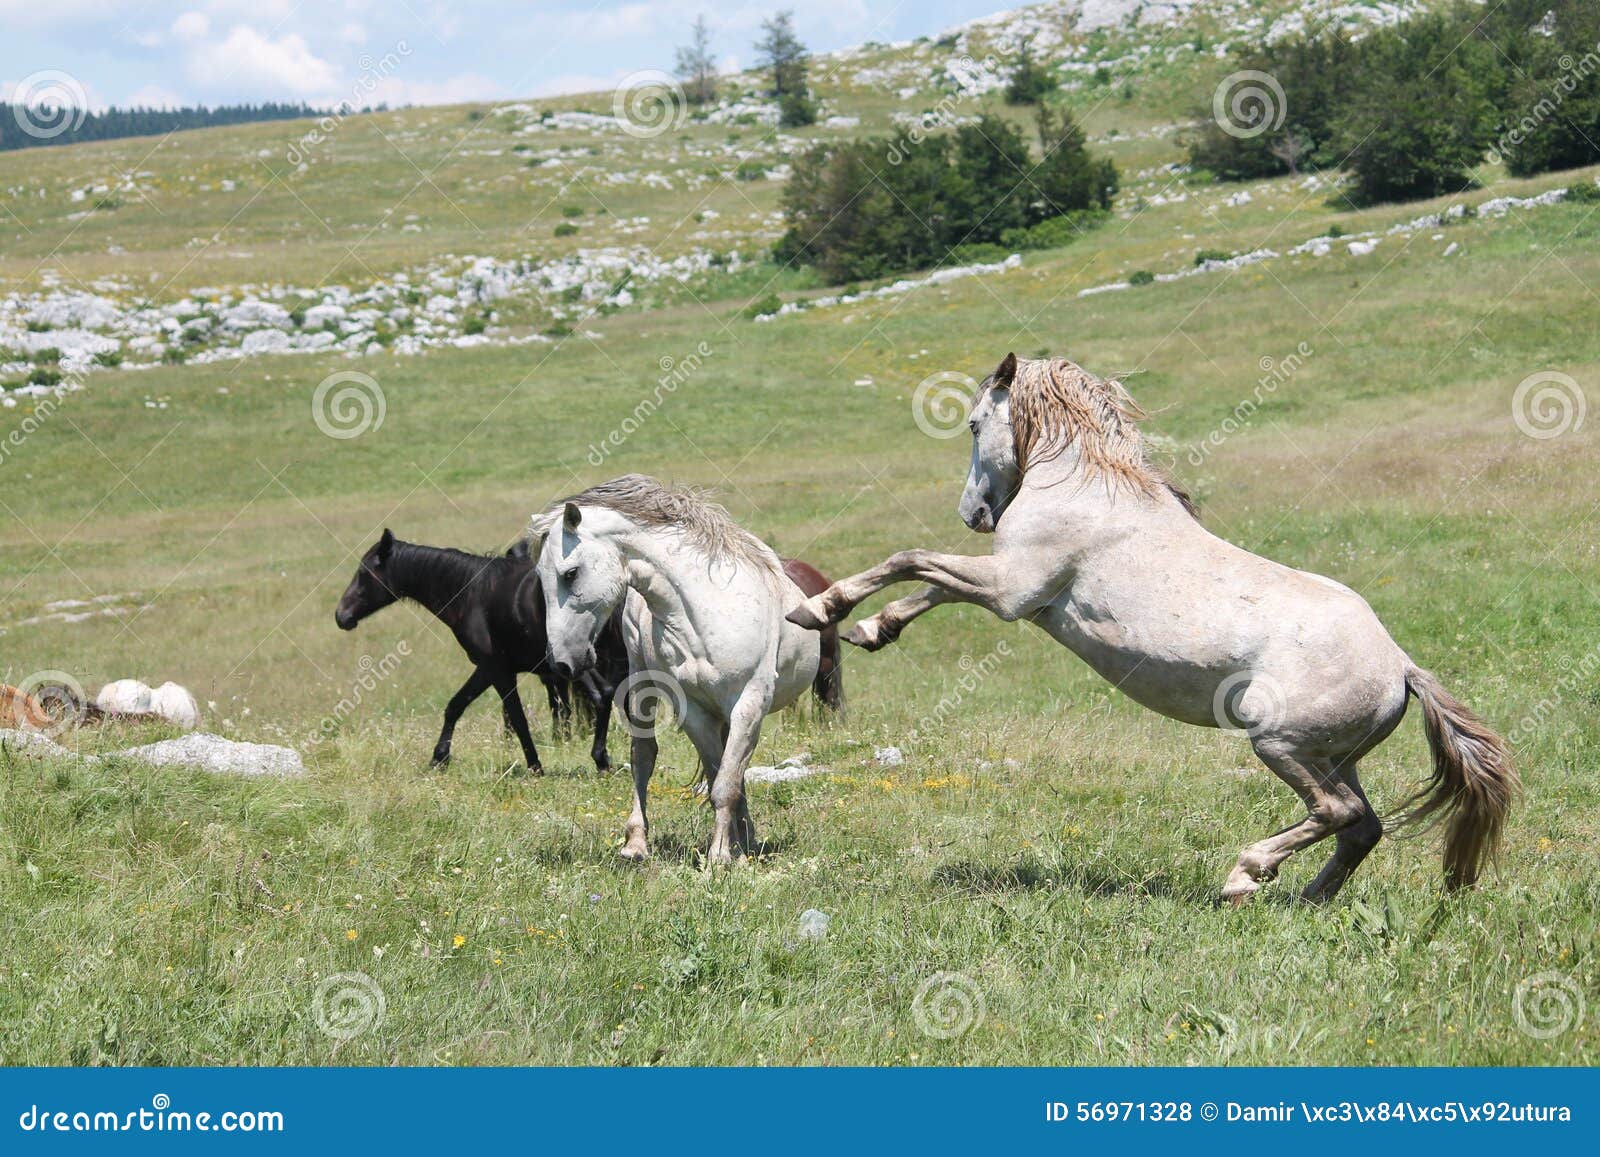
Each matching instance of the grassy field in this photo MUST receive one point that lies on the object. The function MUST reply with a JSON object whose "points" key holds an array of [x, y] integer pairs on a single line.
{"points": [[1033, 884]]}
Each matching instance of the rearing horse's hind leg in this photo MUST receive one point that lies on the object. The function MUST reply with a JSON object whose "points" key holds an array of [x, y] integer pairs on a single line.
{"points": [[1331, 806], [1355, 843]]}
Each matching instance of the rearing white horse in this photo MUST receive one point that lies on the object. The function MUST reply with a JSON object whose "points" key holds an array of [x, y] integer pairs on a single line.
{"points": [[1093, 545], [704, 626]]}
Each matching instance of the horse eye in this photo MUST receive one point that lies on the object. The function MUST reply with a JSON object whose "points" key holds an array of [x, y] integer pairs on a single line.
{"points": [[973, 426], [569, 576]]}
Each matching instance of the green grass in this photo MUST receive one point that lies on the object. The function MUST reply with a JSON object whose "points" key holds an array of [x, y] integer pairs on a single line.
{"points": [[1051, 843]]}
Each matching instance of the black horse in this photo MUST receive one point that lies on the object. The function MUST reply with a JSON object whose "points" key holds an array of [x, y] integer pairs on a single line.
{"points": [[494, 606]]}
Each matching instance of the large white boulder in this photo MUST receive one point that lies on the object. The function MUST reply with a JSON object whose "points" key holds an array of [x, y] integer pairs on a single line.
{"points": [[174, 704], [124, 697]]}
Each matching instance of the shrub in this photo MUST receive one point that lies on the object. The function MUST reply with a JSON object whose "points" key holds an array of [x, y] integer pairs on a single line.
{"points": [[475, 324], [1584, 192], [1204, 255], [49, 354], [1141, 277], [174, 355], [763, 306], [110, 359], [565, 229], [1054, 232], [750, 171], [572, 210], [44, 376], [865, 209]]}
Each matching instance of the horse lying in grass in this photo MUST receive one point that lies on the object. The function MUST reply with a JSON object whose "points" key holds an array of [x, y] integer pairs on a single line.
{"points": [[493, 606], [703, 604], [1093, 545]]}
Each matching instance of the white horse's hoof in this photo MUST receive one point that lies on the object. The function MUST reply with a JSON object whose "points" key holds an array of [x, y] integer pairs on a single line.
{"points": [[809, 615], [867, 635]]}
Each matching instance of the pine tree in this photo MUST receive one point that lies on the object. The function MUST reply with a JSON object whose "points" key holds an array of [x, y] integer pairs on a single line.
{"points": [[697, 65], [785, 57]]}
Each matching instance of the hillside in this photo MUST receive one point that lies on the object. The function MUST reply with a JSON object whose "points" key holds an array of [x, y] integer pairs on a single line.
{"points": [[381, 328]]}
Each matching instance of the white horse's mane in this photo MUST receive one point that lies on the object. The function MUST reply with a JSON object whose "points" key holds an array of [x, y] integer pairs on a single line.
{"points": [[1056, 403], [704, 524]]}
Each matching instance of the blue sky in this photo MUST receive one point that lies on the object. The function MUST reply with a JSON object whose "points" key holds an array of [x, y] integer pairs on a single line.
{"points": [[219, 51]]}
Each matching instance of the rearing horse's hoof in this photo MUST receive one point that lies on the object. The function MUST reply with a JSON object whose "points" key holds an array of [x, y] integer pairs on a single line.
{"points": [[805, 616], [867, 635]]}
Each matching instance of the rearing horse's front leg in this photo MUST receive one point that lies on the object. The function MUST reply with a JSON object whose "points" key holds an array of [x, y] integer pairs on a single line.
{"points": [[960, 578], [884, 627]]}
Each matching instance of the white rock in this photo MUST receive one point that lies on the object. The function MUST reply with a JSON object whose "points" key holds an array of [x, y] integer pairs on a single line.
{"points": [[224, 756], [174, 704], [888, 756], [124, 697]]}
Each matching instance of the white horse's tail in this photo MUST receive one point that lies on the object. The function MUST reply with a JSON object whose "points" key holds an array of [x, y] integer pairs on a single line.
{"points": [[1473, 781]]}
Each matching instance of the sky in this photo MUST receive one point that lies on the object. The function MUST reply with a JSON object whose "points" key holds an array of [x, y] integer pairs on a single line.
{"points": [[401, 51]]}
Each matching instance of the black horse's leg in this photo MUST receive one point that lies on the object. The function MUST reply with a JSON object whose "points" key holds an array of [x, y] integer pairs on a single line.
{"points": [[598, 692], [505, 682], [477, 683], [560, 696]]}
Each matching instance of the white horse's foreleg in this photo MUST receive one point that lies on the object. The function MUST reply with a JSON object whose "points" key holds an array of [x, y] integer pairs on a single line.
{"points": [[642, 761], [733, 826], [963, 577], [1331, 806], [884, 627]]}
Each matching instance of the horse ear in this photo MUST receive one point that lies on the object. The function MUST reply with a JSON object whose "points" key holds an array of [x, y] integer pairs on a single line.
{"points": [[1005, 371], [386, 543], [571, 516]]}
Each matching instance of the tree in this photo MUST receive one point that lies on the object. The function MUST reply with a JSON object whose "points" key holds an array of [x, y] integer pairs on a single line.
{"points": [[697, 65], [1289, 148], [1069, 178], [785, 57], [1423, 116], [1030, 81]]}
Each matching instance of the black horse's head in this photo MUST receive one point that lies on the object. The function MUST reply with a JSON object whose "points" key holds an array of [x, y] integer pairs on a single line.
{"points": [[370, 590]]}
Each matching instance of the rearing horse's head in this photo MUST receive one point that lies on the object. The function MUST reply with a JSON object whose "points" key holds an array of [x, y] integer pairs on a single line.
{"points": [[994, 475], [370, 590], [584, 577]]}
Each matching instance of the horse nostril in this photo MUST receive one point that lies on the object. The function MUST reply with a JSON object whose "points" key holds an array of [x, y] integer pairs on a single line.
{"points": [[564, 670]]}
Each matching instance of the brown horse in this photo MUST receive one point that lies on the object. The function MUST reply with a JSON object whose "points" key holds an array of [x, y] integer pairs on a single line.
{"points": [[829, 683]]}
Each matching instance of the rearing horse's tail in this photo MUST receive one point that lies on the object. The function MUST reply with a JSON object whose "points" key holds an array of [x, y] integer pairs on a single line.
{"points": [[1472, 785]]}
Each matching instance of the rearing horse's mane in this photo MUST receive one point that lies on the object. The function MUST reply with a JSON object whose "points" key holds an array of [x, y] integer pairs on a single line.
{"points": [[1056, 404], [704, 524]]}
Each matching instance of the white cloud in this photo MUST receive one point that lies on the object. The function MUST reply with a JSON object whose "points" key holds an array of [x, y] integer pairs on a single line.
{"points": [[396, 90], [258, 66], [154, 96], [192, 26]]}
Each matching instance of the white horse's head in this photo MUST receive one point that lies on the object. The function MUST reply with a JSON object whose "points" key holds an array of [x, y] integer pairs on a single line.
{"points": [[994, 475], [584, 577]]}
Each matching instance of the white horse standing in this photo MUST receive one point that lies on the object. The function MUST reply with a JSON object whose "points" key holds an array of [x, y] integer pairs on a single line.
{"points": [[1093, 545], [704, 625]]}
